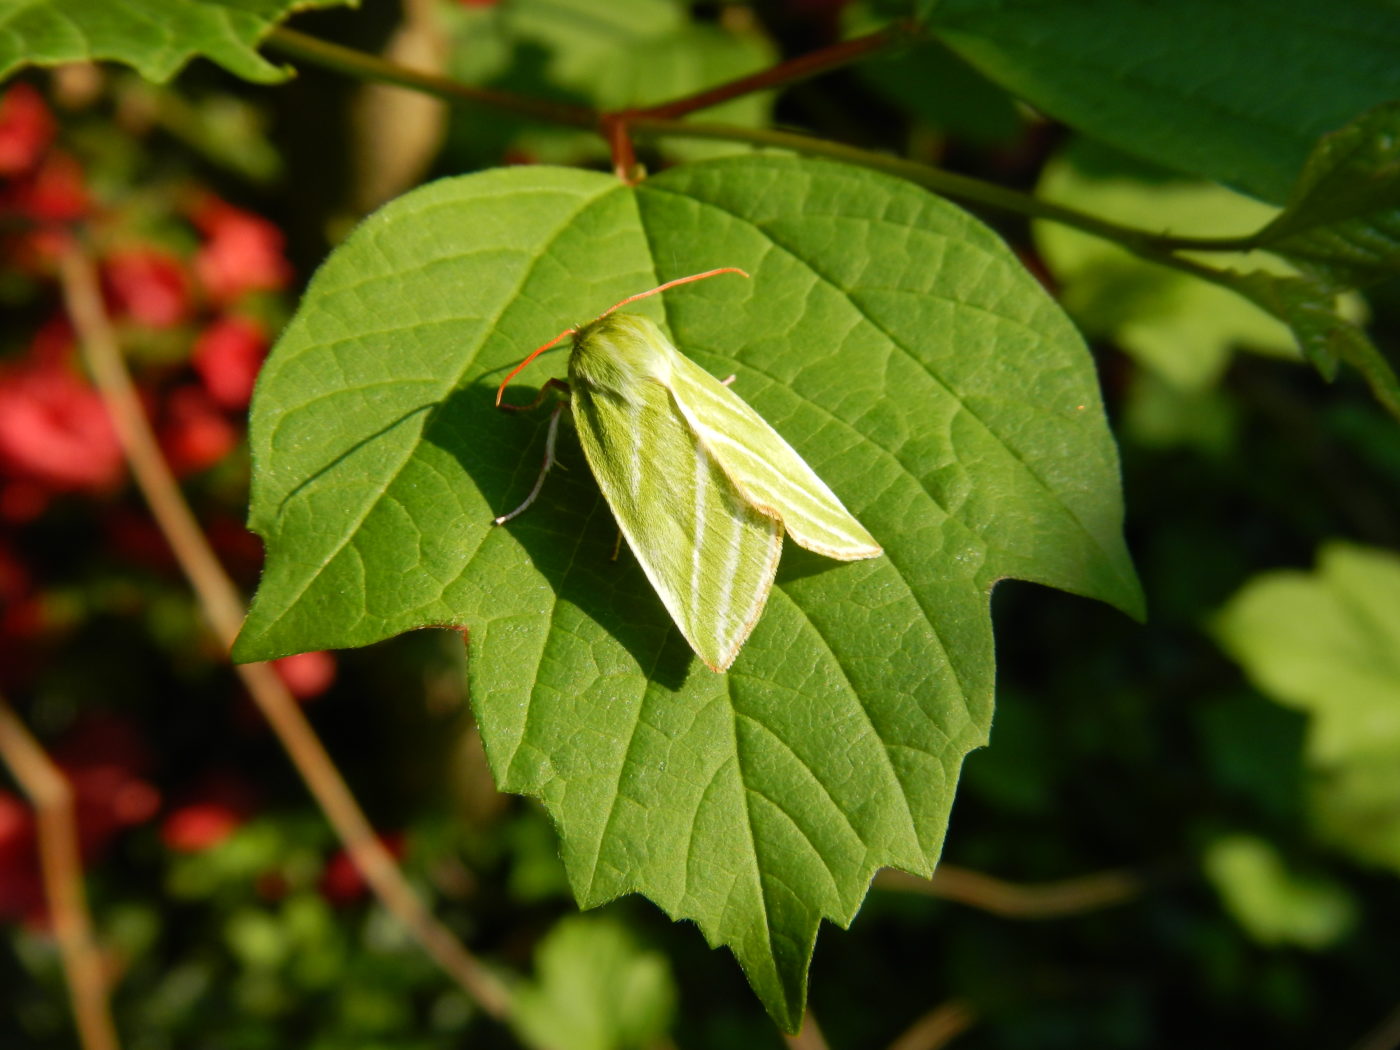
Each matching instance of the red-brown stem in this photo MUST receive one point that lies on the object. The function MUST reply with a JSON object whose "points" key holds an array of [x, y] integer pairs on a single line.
{"points": [[613, 127], [52, 796], [790, 72], [223, 608]]}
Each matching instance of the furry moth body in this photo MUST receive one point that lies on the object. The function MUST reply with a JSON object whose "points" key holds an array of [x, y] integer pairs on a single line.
{"points": [[701, 486]]}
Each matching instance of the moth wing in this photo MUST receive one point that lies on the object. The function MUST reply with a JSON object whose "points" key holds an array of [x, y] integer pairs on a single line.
{"points": [[710, 554], [765, 468]]}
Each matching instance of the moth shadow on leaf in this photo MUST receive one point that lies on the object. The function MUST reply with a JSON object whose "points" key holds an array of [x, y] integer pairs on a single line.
{"points": [[568, 533], [797, 563]]}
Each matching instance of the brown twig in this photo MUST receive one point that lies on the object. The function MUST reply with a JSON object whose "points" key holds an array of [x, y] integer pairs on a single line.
{"points": [[803, 67], [1013, 900], [1154, 246], [613, 127], [61, 862], [937, 1028], [808, 1037], [223, 608]]}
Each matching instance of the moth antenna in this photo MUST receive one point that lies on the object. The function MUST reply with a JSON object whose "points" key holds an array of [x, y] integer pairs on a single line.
{"points": [[500, 391], [533, 354], [671, 284]]}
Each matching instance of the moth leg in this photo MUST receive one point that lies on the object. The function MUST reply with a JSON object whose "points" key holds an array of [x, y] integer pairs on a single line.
{"points": [[617, 546], [730, 379], [549, 384], [549, 461]]}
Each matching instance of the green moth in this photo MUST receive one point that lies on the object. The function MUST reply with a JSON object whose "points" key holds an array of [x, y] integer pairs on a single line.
{"points": [[700, 485]]}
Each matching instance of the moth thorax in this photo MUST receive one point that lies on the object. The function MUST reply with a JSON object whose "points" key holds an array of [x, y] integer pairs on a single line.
{"points": [[617, 352]]}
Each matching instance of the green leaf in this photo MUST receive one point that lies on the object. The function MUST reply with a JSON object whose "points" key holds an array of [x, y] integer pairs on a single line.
{"points": [[893, 340], [612, 56], [935, 85], [1181, 327], [1343, 218], [595, 989], [1324, 333], [1328, 643], [1273, 903], [1161, 414], [157, 37], [1231, 90]]}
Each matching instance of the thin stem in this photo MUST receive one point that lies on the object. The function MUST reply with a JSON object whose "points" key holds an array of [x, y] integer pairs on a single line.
{"points": [[1012, 900], [1154, 247], [615, 129], [364, 66], [61, 860], [660, 121], [937, 1028], [802, 67], [945, 182], [224, 610], [1170, 242], [808, 1037]]}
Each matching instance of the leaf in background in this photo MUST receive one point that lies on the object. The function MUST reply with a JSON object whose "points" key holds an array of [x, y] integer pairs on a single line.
{"points": [[1343, 219], [595, 989], [935, 85], [893, 340], [611, 56], [396, 133], [156, 36], [1180, 327], [1160, 414], [1328, 643], [1232, 91], [1325, 334], [1275, 904], [691, 59]]}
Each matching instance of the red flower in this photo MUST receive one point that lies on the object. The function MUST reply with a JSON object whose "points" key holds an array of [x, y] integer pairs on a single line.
{"points": [[227, 357], [22, 500], [16, 830], [21, 889], [105, 758], [148, 285], [243, 252], [199, 826], [47, 198], [218, 807], [53, 343], [22, 624], [240, 551], [102, 758], [194, 434], [54, 428], [55, 192], [306, 675], [135, 539], [341, 881], [26, 129]]}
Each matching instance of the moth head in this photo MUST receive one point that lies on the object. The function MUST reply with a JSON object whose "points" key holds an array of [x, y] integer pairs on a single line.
{"points": [[596, 329], [618, 351]]}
